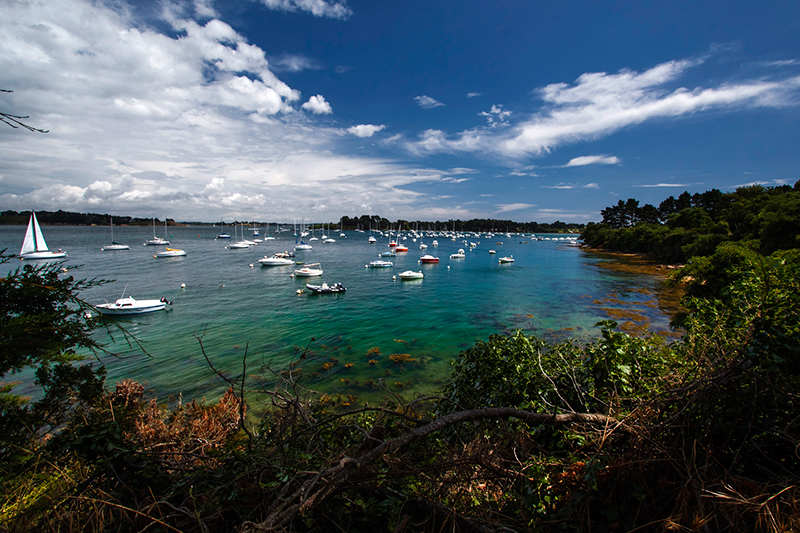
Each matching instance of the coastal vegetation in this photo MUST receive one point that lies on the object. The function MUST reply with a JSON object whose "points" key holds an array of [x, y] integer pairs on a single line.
{"points": [[694, 225], [615, 434]]}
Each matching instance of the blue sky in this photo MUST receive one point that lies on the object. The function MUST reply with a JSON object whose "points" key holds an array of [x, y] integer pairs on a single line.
{"points": [[313, 109]]}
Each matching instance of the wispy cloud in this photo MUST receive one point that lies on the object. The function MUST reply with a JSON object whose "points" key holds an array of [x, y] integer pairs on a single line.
{"points": [[456, 180], [426, 102], [496, 116], [599, 104], [593, 160], [561, 186], [318, 8], [474, 95], [652, 185], [365, 130], [504, 208], [293, 63], [462, 170]]}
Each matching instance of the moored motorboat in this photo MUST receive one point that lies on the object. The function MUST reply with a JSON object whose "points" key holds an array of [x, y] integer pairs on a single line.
{"points": [[410, 274], [428, 259], [507, 259], [325, 288], [278, 259], [170, 252], [380, 264], [307, 271], [130, 306], [459, 255], [34, 245]]}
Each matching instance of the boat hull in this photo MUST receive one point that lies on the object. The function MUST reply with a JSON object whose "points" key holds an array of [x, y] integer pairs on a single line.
{"points": [[170, 253], [326, 289], [275, 261], [30, 256], [308, 273], [129, 306]]}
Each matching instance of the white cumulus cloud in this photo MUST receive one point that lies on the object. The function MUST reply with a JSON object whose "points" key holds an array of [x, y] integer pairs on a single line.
{"points": [[318, 105], [365, 130]]}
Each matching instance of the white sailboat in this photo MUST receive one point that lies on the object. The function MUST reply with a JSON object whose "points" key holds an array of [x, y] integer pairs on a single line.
{"points": [[157, 241], [34, 245], [242, 244], [114, 245]]}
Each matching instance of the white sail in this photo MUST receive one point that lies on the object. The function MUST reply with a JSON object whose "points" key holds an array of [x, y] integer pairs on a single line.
{"points": [[34, 240]]}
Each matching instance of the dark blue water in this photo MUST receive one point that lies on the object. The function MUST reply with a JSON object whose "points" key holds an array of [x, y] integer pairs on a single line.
{"points": [[233, 306]]}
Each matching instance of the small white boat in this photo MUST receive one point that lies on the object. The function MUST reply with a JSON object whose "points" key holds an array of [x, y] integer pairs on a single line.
{"points": [[34, 245], [492, 252], [388, 254], [372, 240], [459, 255], [428, 259], [410, 274], [114, 245], [279, 259], [435, 243], [129, 306], [241, 244], [423, 246], [507, 259], [325, 288], [157, 241], [307, 271], [380, 264], [170, 252]]}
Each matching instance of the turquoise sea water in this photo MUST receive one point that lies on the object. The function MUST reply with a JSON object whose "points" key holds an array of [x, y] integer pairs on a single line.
{"points": [[551, 290]]}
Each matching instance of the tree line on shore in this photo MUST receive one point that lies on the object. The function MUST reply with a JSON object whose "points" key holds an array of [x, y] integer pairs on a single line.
{"points": [[364, 222], [695, 225], [617, 433]]}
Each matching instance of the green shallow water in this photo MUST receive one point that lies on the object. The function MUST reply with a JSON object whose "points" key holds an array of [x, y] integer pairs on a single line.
{"points": [[551, 290]]}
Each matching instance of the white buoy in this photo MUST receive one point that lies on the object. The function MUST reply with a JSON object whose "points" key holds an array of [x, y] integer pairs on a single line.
{"points": [[394, 278], [448, 267], [251, 265], [183, 285]]}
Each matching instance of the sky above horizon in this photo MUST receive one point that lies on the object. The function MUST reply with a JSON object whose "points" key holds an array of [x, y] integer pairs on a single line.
{"points": [[285, 110]]}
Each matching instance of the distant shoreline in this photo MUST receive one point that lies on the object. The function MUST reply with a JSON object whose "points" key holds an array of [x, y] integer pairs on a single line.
{"points": [[65, 218]]}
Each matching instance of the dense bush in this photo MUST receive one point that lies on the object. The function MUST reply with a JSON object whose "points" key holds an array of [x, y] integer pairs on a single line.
{"points": [[612, 434], [695, 225]]}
